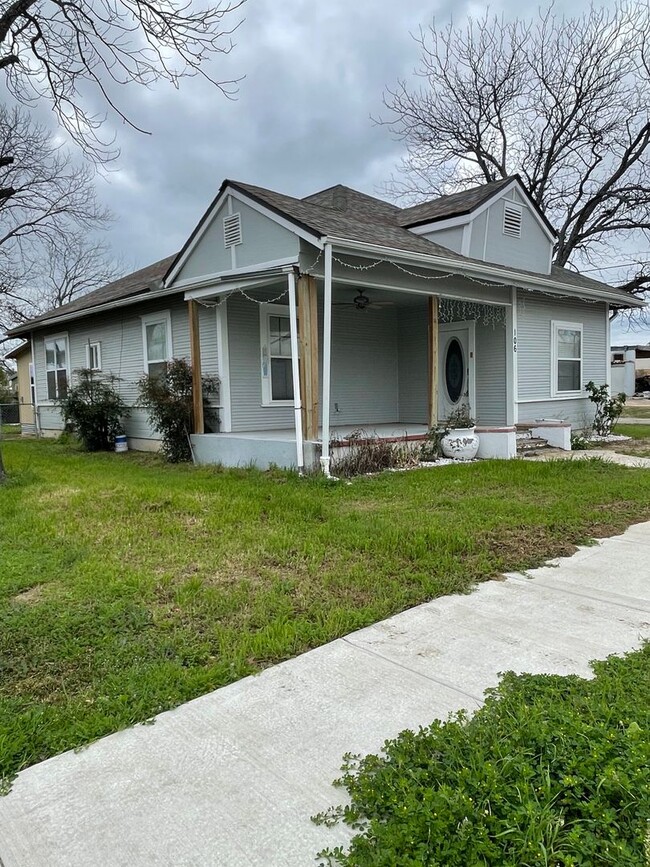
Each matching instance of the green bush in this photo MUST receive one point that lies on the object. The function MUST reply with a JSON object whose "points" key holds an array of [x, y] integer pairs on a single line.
{"points": [[608, 409], [94, 410], [551, 771], [168, 400]]}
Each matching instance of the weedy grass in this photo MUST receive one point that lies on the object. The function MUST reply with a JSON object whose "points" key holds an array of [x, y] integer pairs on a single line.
{"points": [[636, 412], [128, 585], [550, 771]]}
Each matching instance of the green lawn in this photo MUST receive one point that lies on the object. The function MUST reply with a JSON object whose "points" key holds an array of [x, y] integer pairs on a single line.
{"points": [[636, 412], [550, 771], [128, 586]]}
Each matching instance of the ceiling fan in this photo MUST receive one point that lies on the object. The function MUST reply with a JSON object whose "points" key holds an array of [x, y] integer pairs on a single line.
{"points": [[362, 302]]}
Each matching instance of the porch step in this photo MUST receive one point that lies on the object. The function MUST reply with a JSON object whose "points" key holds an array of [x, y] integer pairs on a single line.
{"points": [[530, 445]]}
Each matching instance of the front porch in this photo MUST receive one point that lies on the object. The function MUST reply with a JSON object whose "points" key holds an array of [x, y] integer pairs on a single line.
{"points": [[306, 359]]}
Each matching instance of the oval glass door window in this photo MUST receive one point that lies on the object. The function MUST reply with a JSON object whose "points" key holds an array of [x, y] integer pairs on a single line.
{"points": [[454, 370]]}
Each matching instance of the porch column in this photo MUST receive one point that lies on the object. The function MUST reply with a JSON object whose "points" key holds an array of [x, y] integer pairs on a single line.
{"points": [[297, 406], [195, 355], [511, 360], [308, 332], [327, 360], [433, 361]]}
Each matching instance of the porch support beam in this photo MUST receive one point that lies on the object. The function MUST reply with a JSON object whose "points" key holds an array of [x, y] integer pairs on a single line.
{"points": [[195, 354], [512, 406], [327, 360], [308, 333], [295, 370], [433, 361]]}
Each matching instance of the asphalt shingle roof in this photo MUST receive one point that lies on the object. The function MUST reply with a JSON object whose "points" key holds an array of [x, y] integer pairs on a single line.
{"points": [[336, 212]]}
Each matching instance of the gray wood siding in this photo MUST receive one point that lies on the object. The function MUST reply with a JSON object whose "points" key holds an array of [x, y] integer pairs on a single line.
{"points": [[450, 238], [579, 412], [477, 236], [120, 335], [490, 371], [263, 240], [531, 251], [413, 355], [364, 366], [534, 317], [245, 371]]}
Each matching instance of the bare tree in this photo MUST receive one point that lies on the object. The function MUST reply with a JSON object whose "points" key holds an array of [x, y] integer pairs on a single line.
{"points": [[62, 50], [68, 267], [564, 102], [49, 206]]}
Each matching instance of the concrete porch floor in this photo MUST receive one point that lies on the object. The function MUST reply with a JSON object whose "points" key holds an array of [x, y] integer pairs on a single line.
{"points": [[383, 429]]}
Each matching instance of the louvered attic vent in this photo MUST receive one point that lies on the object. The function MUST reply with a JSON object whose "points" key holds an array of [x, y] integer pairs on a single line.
{"points": [[512, 221], [232, 230]]}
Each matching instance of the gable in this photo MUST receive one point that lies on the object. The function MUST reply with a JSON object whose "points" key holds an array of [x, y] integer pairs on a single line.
{"points": [[261, 240], [505, 231]]}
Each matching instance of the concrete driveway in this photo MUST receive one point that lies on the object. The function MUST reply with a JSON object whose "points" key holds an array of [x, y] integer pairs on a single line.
{"points": [[233, 777]]}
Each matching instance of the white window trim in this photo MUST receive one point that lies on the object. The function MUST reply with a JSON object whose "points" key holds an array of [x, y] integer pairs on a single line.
{"points": [[151, 319], [266, 311], [573, 326], [89, 346], [62, 336]]}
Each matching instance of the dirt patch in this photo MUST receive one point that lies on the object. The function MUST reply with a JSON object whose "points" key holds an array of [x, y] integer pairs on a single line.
{"points": [[30, 596]]}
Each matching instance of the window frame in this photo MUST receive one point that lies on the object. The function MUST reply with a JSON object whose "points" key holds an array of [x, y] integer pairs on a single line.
{"points": [[52, 339], [556, 325], [90, 345], [163, 316], [266, 312]]}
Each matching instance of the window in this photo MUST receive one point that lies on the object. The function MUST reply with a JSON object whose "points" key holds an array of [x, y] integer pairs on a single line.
{"points": [[567, 358], [157, 342], [512, 220], [94, 356], [277, 371], [56, 367]]}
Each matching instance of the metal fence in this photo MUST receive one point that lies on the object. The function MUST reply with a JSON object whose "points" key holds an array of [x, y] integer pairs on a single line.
{"points": [[9, 413]]}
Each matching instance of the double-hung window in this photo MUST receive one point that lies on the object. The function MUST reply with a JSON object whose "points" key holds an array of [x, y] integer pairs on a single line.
{"points": [[56, 367], [94, 356], [277, 372], [566, 339], [157, 342]]}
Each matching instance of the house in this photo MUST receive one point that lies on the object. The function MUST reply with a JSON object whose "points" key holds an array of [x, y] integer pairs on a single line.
{"points": [[629, 364], [24, 386], [341, 311]]}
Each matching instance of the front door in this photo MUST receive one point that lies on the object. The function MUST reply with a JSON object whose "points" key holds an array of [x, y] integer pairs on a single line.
{"points": [[455, 367]]}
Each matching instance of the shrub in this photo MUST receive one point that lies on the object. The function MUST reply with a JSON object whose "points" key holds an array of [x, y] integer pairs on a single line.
{"points": [[94, 410], [608, 409], [431, 448], [371, 454], [550, 771], [580, 443], [169, 402]]}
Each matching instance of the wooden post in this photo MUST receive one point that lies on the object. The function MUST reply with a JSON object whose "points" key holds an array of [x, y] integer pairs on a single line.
{"points": [[308, 333], [195, 354], [433, 361]]}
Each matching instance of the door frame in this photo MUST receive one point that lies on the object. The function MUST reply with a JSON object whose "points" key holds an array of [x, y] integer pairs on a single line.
{"points": [[470, 372]]}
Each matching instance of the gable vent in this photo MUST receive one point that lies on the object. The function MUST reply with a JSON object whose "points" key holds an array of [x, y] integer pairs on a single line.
{"points": [[232, 230], [512, 221]]}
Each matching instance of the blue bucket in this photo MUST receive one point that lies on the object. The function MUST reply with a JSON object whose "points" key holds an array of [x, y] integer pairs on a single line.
{"points": [[121, 444]]}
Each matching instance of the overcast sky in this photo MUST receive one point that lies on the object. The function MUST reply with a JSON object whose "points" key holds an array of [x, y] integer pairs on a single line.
{"points": [[314, 75]]}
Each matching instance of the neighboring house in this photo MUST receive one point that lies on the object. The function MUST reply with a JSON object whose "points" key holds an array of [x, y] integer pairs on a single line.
{"points": [[24, 386], [629, 363], [341, 311]]}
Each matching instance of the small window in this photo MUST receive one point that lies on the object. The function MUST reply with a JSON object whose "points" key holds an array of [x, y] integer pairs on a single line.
{"points": [[277, 370], [512, 220], [280, 352], [157, 340], [56, 367], [567, 358], [94, 356], [232, 230]]}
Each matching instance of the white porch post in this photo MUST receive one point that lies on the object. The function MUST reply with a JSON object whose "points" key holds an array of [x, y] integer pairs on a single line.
{"points": [[327, 360], [295, 370], [512, 407]]}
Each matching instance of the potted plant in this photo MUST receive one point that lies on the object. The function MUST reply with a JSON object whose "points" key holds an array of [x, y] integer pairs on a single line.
{"points": [[460, 441]]}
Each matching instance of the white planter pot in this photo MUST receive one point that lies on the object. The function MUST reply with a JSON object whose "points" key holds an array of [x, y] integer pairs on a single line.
{"points": [[460, 443]]}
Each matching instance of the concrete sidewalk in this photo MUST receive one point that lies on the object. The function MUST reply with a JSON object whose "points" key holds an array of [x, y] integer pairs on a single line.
{"points": [[233, 777]]}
